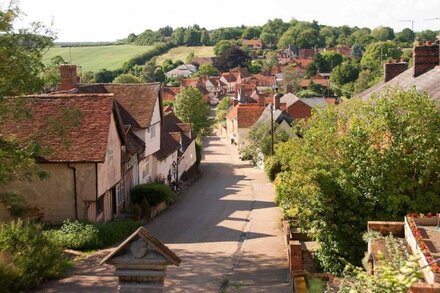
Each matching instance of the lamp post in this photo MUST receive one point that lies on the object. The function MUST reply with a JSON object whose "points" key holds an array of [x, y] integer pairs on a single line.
{"points": [[175, 170]]}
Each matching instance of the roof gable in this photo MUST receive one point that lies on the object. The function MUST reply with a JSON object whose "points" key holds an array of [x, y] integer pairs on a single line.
{"points": [[83, 142], [141, 245], [136, 101]]}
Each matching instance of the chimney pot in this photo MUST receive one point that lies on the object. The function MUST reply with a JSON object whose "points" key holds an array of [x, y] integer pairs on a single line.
{"points": [[420, 43], [428, 43]]}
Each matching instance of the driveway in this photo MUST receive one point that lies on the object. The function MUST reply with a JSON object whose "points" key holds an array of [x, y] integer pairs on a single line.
{"points": [[226, 230]]}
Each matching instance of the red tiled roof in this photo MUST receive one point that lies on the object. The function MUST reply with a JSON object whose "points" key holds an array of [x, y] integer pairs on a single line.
{"points": [[303, 62], [229, 77], [246, 42], [136, 101], [246, 114], [190, 82], [169, 93], [86, 142], [306, 82], [243, 72], [173, 124]]}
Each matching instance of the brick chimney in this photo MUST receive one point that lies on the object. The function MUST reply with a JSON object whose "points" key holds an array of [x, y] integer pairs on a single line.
{"points": [[426, 57], [277, 100], [261, 101], [391, 70], [69, 77]]}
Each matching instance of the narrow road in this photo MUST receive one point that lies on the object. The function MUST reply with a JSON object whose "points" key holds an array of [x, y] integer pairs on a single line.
{"points": [[226, 230]]}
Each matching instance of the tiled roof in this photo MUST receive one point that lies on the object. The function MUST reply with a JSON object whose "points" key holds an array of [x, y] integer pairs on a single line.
{"points": [[169, 93], [303, 62], [243, 72], [428, 82], [263, 80], [229, 77], [86, 142], [136, 101], [190, 82], [321, 81], [172, 124], [134, 143], [246, 42], [168, 145], [245, 114]]}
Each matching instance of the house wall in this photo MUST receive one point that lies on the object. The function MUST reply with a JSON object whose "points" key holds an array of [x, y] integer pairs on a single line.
{"points": [[53, 196], [286, 127], [146, 170], [242, 137], [152, 135], [109, 172], [188, 159], [164, 166]]}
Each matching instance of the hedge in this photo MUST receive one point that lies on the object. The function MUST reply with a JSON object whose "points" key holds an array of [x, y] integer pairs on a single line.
{"points": [[154, 193]]}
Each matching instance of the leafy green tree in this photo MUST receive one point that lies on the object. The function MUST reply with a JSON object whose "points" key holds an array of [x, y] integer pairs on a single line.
{"points": [[88, 77], [255, 66], [405, 36], [223, 109], [251, 32], [168, 65], [191, 108], [221, 46], [178, 36], [362, 160], [192, 37], [273, 30], [127, 78], [383, 33], [328, 36], [189, 58], [366, 79], [324, 62], [291, 79], [345, 73], [20, 55], [356, 51], [207, 69], [131, 38], [205, 39], [105, 76], [426, 35], [260, 141], [377, 53], [166, 31], [52, 74], [361, 37], [270, 61]]}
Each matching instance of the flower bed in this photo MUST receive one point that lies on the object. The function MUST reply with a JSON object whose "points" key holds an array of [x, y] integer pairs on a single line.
{"points": [[428, 219]]}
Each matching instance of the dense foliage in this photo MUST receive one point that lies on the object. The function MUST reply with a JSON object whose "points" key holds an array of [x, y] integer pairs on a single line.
{"points": [[85, 236], [223, 109], [357, 162], [27, 257], [191, 108], [154, 193]]}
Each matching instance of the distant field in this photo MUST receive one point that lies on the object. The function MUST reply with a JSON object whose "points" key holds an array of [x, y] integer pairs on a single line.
{"points": [[180, 53], [97, 57]]}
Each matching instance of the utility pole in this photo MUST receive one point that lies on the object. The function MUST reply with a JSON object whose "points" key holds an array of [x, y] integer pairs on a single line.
{"points": [[409, 20]]}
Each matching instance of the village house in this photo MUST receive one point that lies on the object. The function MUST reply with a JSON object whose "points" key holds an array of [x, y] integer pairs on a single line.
{"points": [[184, 70], [83, 162], [424, 75], [253, 44]]}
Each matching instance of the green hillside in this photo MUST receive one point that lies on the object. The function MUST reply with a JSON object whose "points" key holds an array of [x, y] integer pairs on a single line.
{"points": [[180, 53], [97, 57]]}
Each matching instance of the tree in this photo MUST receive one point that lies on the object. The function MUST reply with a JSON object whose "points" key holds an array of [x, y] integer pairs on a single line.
{"points": [[192, 37], [361, 37], [362, 160], [324, 62], [178, 36], [270, 61], [127, 78], [205, 39], [189, 58], [377, 53], [104, 76], [231, 58], [405, 36], [427, 35], [260, 141], [328, 35], [207, 69], [191, 108], [166, 31], [223, 109], [88, 77], [251, 32], [20, 55], [383, 33], [221, 46], [345, 73], [255, 66]]}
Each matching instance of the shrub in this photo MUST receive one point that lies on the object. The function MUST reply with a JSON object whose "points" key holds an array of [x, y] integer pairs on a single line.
{"points": [[76, 235], [84, 236], [272, 167], [27, 256], [154, 193]]}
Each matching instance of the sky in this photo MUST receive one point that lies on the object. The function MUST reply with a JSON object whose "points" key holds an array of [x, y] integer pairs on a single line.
{"points": [[109, 20]]}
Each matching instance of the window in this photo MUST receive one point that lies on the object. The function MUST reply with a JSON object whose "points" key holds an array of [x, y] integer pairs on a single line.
{"points": [[120, 190], [152, 131], [100, 205]]}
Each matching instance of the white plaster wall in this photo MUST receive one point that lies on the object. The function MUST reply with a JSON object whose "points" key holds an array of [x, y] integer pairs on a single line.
{"points": [[189, 158], [109, 172], [165, 165], [152, 144]]}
